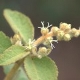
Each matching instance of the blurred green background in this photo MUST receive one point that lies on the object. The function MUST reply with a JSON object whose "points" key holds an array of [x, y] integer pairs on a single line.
{"points": [[66, 54]]}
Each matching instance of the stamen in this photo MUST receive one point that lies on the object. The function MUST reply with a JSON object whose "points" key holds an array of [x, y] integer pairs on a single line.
{"points": [[49, 25], [30, 44], [52, 46], [42, 22]]}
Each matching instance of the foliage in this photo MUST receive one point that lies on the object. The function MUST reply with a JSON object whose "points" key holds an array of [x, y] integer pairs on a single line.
{"points": [[21, 54]]}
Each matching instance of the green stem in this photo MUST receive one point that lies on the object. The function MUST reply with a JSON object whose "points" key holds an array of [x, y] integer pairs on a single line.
{"points": [[11, 74]]}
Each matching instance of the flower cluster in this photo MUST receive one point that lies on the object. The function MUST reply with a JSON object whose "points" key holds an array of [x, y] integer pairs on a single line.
{"points": [[63, 32]]}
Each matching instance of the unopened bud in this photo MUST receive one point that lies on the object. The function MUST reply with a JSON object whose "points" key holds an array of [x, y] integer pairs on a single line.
{"points": [[67, 37], [44, 31], [42, 51], [60, 35], [73, 30], [54, 30], [65, 26], [76, 34]]}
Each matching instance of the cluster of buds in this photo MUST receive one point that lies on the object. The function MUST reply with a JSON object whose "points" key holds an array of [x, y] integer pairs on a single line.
{"points": [[63, 32]]}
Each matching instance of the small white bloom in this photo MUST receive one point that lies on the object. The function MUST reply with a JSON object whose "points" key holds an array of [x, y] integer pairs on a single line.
{"points": [[42, 22], [30, 44]]}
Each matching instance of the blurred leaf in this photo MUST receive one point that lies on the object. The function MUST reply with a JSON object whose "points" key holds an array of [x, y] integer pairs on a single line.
{"points": [[41, 69], [20, 24], [7, 68], [19, 75], [4, 42], [12, 54]]}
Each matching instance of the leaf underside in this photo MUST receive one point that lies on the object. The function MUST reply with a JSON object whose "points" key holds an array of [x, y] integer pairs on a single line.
{"points": [[12, 54], [4, 42], [41, 69], [20, 24]]}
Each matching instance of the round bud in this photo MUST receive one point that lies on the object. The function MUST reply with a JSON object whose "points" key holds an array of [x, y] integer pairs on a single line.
{"points": [[54, 30], [42, 51], [65, 26], [60, 35], [44, 31], [67, 37], [76, 34], [73, 30]]}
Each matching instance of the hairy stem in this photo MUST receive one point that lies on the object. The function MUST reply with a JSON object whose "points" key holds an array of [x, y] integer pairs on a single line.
{"points": [[42, 38], [11, 74]]}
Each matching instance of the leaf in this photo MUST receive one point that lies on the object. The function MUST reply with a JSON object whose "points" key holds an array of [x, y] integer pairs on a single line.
{"points": [[19, 75], [7, 68], [41, 69], [20, 24], [13, 54], [4, 42]]}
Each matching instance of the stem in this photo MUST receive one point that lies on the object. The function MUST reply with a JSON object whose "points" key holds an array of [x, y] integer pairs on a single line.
{"points": [[11, 74], [42, 38]]}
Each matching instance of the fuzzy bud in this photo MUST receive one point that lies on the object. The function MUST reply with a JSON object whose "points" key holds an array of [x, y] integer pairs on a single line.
{"points": [[54, 30], [44, 31], [65, 26], [76, 34], [73, 30], [42, 52], [60, 35], [67, 37]]}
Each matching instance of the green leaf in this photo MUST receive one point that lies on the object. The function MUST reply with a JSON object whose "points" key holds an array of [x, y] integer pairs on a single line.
{"points": [[41, 69], [13, 54], [19, 75], [7, 68], [4, 42], [20, 24]]}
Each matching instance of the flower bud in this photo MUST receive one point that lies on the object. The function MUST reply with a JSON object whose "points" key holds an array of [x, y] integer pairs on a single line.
{"points": [[65, 26], [73, 30], [76, 34], [42, 51], [67, 37], [44, 31], [54, 30], [60, 35]]}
